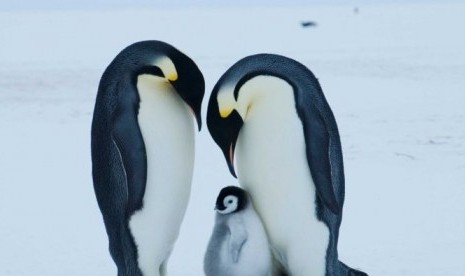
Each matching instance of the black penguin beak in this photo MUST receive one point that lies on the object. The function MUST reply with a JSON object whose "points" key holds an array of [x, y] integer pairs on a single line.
{"points": [[218, 208], [225, 132], [197, 115], [194, 103], [198, 118], [229, 155]]}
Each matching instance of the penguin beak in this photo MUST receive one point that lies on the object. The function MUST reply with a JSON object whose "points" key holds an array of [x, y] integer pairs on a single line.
{"points": [[198, 118], [194, 104], [219, 208], [230, 158], [225, 132]]}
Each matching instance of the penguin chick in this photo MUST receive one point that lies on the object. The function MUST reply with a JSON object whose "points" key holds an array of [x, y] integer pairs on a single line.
{"points": [[238, 245]]}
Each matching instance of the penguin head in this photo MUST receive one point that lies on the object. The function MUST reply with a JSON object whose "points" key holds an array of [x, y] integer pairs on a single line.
{"points": [[231, 199], [225, 117], [233, 97], [162, 60]]}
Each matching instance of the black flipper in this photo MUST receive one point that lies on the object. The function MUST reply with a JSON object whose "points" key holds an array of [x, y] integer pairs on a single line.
{"points": [[322, 145], [317, 143], [110, 165], [129, 141], [238, 237]]}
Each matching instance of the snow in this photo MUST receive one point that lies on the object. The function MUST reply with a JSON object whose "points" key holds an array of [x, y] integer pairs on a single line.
{"points": [[393, 74]]}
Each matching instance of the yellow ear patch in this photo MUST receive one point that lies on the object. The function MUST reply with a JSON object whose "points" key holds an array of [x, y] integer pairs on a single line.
{"points": [[166, 65], [225, 112], [226, 101], [172, 77]]}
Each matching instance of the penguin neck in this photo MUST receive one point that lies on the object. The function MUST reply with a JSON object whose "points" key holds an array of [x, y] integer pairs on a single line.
{"points": [[269, 143], [267, 93]]}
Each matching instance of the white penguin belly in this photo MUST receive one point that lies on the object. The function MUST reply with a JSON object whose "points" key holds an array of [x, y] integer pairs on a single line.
{"points": [[167, 128], [272, 166]]}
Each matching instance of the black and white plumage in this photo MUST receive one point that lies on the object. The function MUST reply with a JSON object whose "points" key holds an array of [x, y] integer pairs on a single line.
{"points": [[143, 139], [270, 118], [238, 245]]}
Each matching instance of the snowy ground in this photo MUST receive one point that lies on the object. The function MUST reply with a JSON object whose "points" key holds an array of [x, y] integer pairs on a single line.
{"points": [[394, 75]]}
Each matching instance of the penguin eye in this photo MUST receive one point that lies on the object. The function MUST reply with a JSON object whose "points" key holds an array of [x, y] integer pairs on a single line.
{"points": [[229, 201]]}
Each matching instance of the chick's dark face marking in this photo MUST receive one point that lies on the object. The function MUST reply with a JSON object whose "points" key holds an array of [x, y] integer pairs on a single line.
{"points": [[230, 200]]}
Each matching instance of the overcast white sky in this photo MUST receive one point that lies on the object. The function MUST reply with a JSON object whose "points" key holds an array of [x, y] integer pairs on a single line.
{"points": [[85, 4], [109, 4]]}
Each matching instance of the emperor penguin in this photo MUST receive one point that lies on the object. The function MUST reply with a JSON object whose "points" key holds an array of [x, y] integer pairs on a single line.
{"points": [[238, 245], [273, 124], [142, 140]]}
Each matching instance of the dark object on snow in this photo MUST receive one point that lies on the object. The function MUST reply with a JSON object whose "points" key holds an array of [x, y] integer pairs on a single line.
{"points": [[306, 24]]}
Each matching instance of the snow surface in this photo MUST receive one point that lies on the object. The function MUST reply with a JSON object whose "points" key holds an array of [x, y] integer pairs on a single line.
{"points": [[394, 75]]}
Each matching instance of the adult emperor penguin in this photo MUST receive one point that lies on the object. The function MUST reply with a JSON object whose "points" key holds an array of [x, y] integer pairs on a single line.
{"points": [[238, 245], [270, 118], [143, 152]]}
